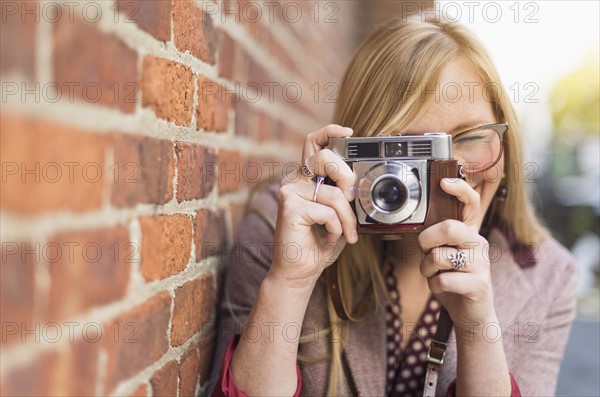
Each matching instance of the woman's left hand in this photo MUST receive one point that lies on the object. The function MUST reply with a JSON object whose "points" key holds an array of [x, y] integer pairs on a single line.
{"points": [[466, 292]]}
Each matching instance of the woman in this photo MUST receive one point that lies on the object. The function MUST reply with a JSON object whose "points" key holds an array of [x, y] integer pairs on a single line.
{"points": [[508, 287]]}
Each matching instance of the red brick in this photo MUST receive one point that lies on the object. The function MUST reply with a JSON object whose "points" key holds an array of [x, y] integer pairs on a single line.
{"points": [[141, 339], [87, 269], [16, 289], [226, 57], [246, 120], [166, 245], [67, 372], [206, 348], [17, 41], [196, 170], [105, 72], [32, 379], [193, 30], [281, 55], [231, 171], [75, 370], [152, 16], [267, 128], [258, 77], [291, 136], [250, 15], [196, 365], [140, 391], [143, 170], [54, 150], [210, 233], [194, 306], [214, 103], [205, 113], [262, 169], [168, 89], [164, 381], [223, 104], [189, 372]]}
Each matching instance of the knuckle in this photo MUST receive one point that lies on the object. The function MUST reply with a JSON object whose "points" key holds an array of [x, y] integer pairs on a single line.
{"points": [[331, 214], [336, 228], [421, 241], [337, 195], [423, 268], [443, 282], [447, 226], [284, 191], [353, 221]]}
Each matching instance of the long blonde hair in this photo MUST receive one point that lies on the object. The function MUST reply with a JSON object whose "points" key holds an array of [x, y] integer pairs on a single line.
{"points": [[381, 93]]}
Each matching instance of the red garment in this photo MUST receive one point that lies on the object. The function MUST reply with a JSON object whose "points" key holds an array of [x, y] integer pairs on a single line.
{"points": [[514, 388], [226, 386]]}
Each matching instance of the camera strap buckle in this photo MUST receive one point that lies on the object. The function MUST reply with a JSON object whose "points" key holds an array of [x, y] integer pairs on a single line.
{"points": [[437, 352]]}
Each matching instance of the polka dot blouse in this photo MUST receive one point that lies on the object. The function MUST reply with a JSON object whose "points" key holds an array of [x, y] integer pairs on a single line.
{"points": [[406, 369]]}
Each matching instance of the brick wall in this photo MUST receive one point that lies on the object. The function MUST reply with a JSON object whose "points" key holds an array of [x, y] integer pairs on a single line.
{"points": [[132, 133]]}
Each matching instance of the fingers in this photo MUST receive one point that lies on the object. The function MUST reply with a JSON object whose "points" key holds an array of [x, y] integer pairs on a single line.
{"points": [[466, 284], [316, 141], [449, 232], [317, 214], [301, 212], [333, 197], [299, 196], [439, 259], [327, 163], [466, 195]]}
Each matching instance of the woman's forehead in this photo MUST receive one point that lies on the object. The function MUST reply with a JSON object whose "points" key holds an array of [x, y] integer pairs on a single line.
{"points": [[459, 101]]}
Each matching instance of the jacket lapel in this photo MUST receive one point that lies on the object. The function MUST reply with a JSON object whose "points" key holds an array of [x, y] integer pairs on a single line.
{"points": [[506, 276], [366, 354]]}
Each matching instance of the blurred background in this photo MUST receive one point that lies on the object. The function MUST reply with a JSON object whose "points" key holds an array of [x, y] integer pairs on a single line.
{"points": [[132, 133]]}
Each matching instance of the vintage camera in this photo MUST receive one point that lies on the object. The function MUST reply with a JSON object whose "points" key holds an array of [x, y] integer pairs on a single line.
{"points": [[398, 181]]}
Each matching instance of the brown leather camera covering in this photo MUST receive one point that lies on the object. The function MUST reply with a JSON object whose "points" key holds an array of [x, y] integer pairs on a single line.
{"points": [[441, 205]]}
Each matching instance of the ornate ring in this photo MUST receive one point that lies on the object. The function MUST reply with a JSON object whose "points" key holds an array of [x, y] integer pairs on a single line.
{"points": [[307, 171], [320, 180], [458, 260]]}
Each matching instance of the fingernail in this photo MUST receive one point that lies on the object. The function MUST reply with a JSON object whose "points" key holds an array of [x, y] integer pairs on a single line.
{"points": [[355, 236], [348, 129], [449, 181]]}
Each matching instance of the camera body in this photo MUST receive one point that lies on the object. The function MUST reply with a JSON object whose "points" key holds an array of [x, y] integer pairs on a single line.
{"points": [[398, 181]]}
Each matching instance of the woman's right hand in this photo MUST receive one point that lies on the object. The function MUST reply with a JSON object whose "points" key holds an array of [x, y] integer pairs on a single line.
{"points": [[309, 236]]}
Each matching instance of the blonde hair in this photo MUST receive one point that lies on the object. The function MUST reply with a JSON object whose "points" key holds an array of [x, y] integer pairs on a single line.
{"points": [[382, 92]]}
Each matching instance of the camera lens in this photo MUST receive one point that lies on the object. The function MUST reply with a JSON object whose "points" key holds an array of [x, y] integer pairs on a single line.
{"points": [[389, 194]]}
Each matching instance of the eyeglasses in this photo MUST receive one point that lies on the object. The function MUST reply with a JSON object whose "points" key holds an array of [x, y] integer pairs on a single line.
{"points": [[480, 148]]}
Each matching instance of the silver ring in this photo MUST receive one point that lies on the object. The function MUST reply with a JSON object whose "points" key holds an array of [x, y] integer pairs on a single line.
{"points": [[320, 180], [307, 171], [458, 260]]}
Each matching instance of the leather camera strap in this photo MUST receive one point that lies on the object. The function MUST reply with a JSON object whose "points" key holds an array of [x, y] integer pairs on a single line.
{"points": [[436, 352]]}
